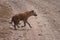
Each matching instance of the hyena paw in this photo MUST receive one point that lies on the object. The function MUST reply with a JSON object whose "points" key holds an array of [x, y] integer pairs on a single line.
{"points": [[22, 26], [15, 29]]}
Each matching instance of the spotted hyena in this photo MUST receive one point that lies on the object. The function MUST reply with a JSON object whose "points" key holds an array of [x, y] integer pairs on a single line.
{"points": [[22, 16]]}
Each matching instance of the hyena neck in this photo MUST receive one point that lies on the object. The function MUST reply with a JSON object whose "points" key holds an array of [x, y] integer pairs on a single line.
{"points": [[29, 14]]}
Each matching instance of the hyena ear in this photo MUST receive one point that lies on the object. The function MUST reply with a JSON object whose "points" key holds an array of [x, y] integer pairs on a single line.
{"points": [[32, 10]]}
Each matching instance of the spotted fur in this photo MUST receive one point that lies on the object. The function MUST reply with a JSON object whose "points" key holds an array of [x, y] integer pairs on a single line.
{"points": [[24, 17]]}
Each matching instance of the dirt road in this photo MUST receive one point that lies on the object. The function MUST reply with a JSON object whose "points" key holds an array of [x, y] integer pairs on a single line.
{"points": [[46, 26]]}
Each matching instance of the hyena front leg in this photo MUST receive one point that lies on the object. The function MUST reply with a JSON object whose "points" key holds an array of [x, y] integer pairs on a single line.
{"points": [[24, 23], [29, 24], [15, 27]]}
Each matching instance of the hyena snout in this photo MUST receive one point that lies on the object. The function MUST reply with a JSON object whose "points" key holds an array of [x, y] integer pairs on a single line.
{"points": [[35, 14]]}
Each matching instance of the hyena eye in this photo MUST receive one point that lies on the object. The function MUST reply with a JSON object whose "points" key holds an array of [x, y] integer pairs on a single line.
{"points": [[32, 10]]}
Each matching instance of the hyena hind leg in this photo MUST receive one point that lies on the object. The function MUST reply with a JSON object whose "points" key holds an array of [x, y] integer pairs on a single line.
{"points": [[18, 26], [15, 27]]}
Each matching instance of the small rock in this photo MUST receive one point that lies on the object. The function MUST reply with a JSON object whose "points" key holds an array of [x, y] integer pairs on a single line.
{"points": [[39, 34]]}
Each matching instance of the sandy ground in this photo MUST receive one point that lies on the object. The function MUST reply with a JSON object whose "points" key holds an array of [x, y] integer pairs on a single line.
{"points": [[46, 26]]}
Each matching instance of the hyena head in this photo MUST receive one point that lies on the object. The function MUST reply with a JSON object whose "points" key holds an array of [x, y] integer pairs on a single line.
{"points": [[33, 13]]}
